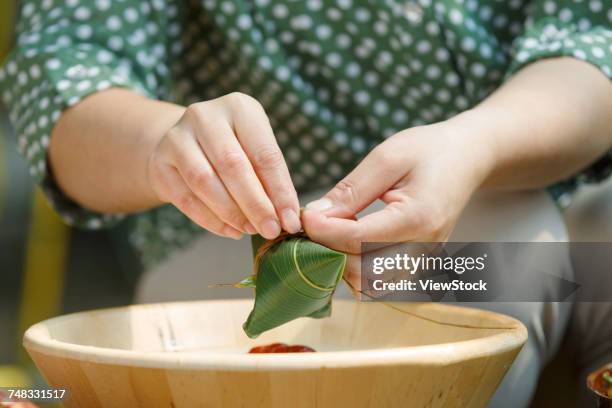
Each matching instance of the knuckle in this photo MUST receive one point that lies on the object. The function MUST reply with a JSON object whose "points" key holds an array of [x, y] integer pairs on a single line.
{"points": [[388, 154], [231, 161], [285, 198], [198, 176], [211, 223], [173, 134], [242, 100], [185, 201], [194, 110], [202, 116], [388, 157], [268, 157], [234, 218], [258, 209], [155, 171], [171, 144], [345, 192]]}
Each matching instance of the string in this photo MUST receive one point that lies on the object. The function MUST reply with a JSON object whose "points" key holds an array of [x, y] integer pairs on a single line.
{"points": [[299, 271], [428, 319], [268, 244]]}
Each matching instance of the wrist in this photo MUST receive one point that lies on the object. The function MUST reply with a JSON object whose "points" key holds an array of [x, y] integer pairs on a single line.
{"points": [[475, 133], [152, 133]]}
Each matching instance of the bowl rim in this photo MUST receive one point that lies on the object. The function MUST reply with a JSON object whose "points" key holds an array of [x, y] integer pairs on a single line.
{"points": [[38, 340]]}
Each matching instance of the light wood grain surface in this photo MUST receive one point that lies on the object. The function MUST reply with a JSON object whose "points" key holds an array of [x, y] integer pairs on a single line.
{"points": [[193, 354]]}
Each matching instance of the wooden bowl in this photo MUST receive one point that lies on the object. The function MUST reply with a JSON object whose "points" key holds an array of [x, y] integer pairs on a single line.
{"points": [[194, 354]]}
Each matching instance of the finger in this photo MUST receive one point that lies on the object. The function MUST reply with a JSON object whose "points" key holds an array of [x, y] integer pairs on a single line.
{"points": [[232, 165], [201, 178], [352, 274], [391, 224], [189, 204], [378, 172], [256, 137]]}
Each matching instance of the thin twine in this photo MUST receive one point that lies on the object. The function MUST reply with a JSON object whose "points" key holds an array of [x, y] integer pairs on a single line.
{"points": [[428, 319], [268, 244], [299, 271]]}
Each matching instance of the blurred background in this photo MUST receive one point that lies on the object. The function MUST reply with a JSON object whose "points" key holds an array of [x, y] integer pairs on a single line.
{"points": [[47, 269]]}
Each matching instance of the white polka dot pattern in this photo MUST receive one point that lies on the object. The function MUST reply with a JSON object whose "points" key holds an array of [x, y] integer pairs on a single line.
{"points": [[335, 77]]}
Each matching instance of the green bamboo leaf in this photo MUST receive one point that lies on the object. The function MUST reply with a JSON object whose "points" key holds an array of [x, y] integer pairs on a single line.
{"points": [[295, 278], [248, 282]]}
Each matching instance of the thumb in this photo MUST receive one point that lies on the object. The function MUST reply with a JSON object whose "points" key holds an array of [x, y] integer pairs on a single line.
{"points": [[367, 182]]}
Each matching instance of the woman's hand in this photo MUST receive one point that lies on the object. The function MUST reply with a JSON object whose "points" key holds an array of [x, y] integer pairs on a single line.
{"points": [[546, 123], [425, 175], [221, 166]]}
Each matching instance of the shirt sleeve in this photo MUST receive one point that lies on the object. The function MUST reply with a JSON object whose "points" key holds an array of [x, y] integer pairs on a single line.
{"points": [[67, 50], [581, 30]]}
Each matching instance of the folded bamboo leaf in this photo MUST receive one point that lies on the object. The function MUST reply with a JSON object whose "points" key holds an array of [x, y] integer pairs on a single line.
{"points": [[295, 277]]}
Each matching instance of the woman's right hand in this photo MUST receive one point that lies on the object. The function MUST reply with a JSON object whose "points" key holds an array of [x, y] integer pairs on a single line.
{"points": [[221, 166]]}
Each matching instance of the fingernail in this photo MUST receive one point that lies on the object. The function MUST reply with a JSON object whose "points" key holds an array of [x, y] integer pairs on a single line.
{"points": [[249, 228], [291, 221], [270, 229], [231, 232], [320, 205]]}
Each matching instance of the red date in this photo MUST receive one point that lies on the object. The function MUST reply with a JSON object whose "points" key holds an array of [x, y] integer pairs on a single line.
{"points": [[281, 348]]}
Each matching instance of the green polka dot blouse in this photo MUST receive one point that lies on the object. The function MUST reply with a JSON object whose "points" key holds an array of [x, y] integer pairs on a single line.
{"points": [[336, 77]]}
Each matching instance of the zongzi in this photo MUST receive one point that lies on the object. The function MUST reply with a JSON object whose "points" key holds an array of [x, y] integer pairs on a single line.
{"points": [[293, 277]]}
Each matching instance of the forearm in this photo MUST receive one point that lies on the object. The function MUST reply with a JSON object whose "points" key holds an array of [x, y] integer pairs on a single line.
{"points": [[99, 149], [549, 121]]}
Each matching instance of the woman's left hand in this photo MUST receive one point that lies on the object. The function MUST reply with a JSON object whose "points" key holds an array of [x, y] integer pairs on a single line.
{"points": [[425, 176]]}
